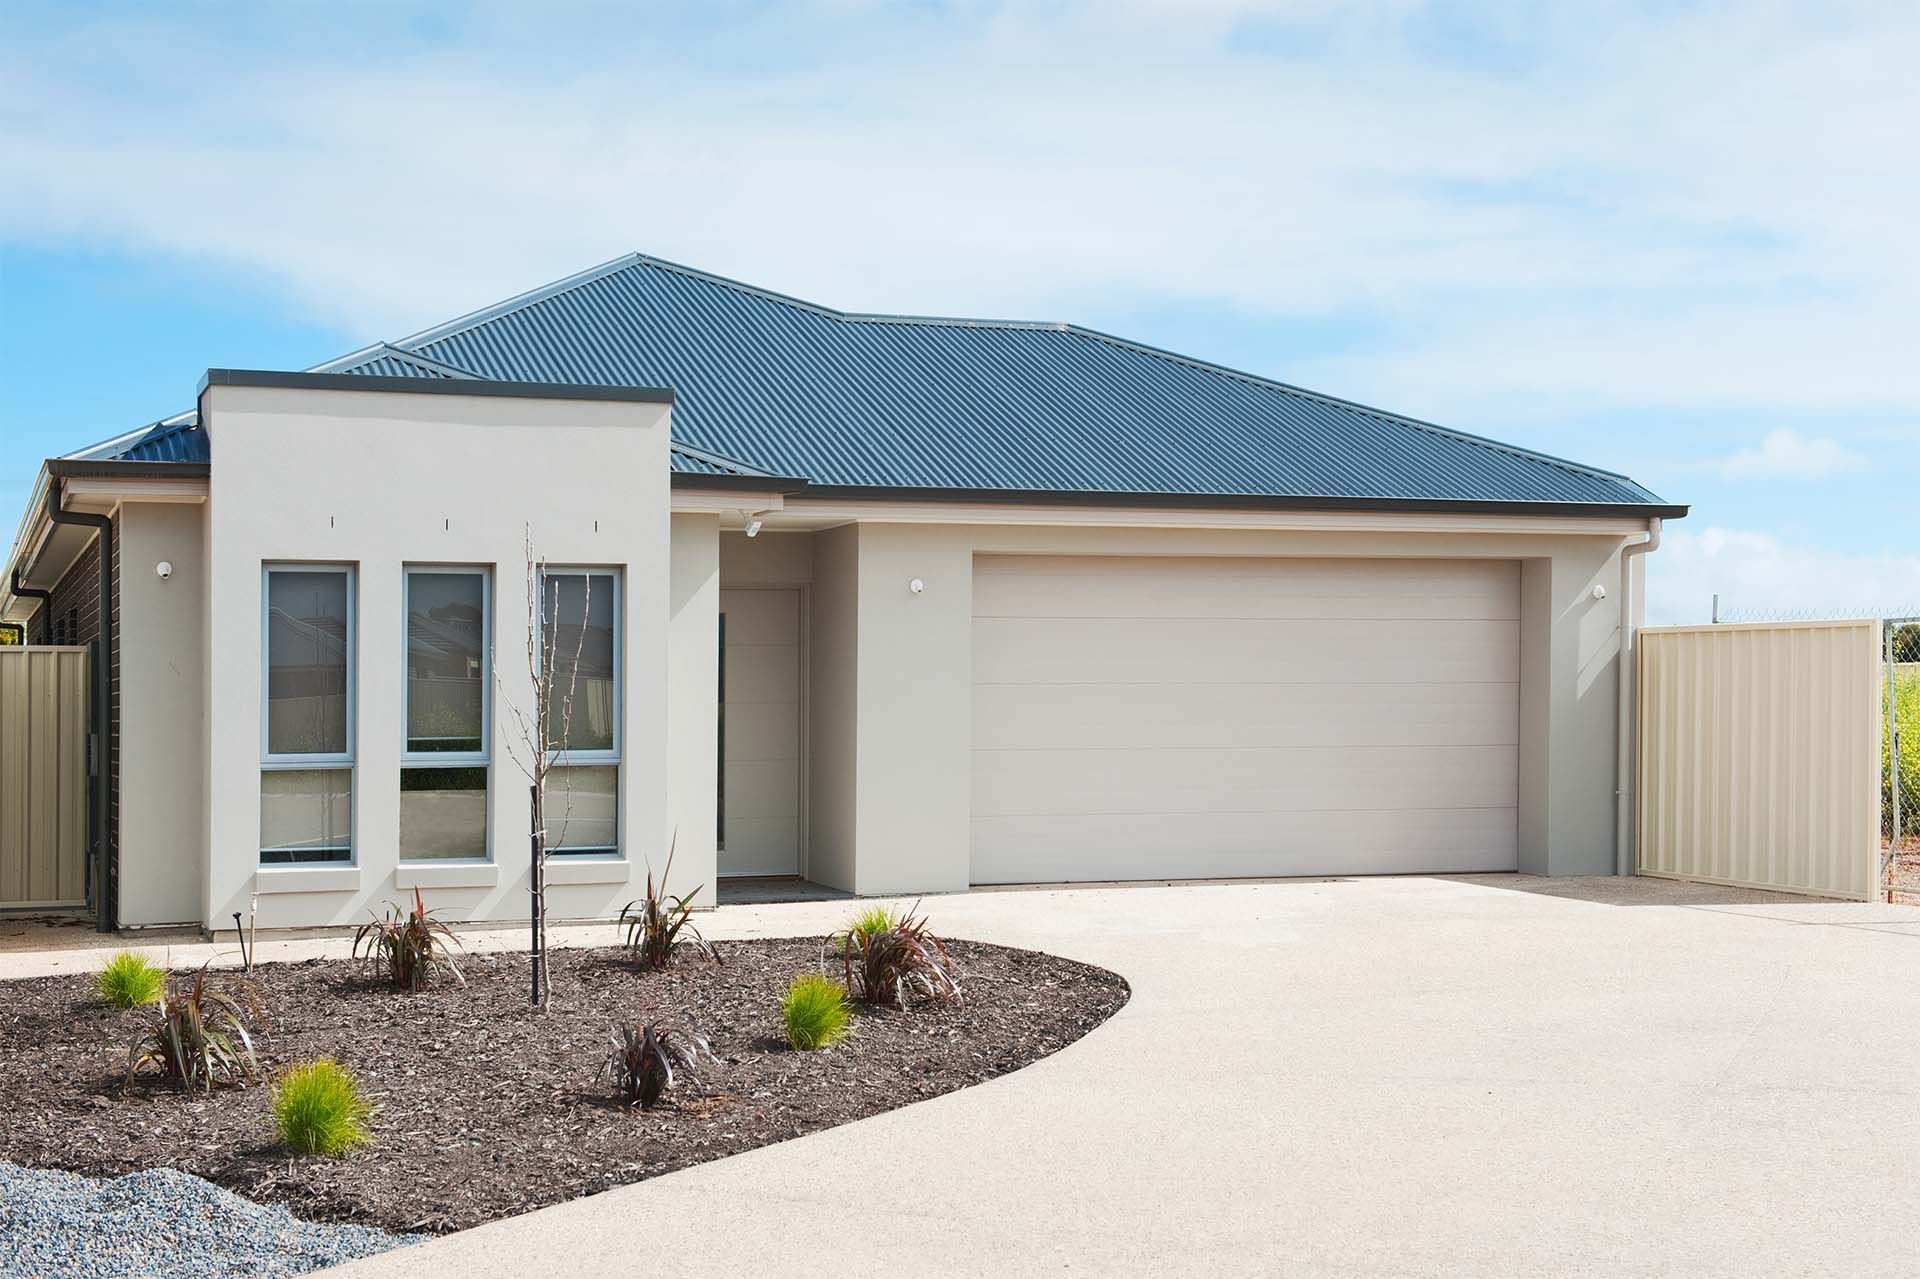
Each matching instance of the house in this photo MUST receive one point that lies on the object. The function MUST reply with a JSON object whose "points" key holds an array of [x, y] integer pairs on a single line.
{"points": [[897, 604]]}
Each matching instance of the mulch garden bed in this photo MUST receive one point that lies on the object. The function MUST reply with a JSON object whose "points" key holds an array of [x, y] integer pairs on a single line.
{"points": [[488, 1108]]}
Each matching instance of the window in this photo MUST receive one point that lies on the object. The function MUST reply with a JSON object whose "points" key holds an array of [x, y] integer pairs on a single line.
{"points": [[446, 752], [580, 645], [306, 720]]}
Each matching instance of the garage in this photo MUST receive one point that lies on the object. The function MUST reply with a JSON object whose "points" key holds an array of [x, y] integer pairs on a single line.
{"points": [[1147, 718]]}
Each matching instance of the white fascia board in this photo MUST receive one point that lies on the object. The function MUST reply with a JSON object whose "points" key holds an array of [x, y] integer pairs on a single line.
{"points": [[724, 501], [106, 495]]}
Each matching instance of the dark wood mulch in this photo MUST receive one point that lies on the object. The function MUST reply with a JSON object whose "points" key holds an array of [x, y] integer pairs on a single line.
{"points": [[487, 1108]]}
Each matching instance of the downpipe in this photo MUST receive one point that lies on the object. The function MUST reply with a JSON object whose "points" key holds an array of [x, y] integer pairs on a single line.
{"points": [[1628, 721], [25, 592]]}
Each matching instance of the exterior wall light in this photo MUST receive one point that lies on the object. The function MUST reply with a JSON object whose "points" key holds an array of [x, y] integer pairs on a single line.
{"points": [[916, 586], [163, 570]]}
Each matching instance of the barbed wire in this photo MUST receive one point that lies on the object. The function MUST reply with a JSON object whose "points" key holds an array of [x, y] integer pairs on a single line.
{"points": [[1907, 613]]}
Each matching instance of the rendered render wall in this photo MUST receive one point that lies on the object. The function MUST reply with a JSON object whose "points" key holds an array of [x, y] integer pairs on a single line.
{"points": [[162, 711], [912, 689], [384, 479], [693, 663], [834, 799]]}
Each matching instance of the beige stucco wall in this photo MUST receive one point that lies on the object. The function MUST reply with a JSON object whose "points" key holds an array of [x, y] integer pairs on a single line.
{"points": [[833, 656], [693, 666], [162, 708], [910, 656], [384, 479]]}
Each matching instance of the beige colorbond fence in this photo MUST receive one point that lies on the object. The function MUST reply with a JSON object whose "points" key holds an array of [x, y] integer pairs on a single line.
{"points": [[43, 777], [1760, 755]]}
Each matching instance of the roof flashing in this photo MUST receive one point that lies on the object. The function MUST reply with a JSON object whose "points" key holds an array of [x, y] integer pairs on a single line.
{"points": [[518, 390]]}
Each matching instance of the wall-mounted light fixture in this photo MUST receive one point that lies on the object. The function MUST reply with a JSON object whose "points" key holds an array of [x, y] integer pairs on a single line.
{"points": [[917, 586], [163, 570]]}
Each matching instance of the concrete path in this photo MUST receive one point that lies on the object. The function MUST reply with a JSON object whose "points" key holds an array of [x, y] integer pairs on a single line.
{"points": [[1491, 1075]]}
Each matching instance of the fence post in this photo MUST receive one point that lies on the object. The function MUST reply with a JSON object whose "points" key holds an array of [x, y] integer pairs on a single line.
{"points": [[1893, 755]]}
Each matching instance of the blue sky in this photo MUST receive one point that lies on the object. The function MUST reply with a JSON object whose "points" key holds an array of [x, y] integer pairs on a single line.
{"points": [[1672, 240]]}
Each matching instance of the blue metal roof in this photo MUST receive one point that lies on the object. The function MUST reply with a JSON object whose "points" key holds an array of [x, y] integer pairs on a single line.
{"points": [[173, 439], [848, 400]]}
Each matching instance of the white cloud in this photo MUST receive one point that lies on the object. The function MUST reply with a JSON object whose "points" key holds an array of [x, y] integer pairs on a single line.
{"points": [[1787, 454], [1758, 574], [1552, 208]]}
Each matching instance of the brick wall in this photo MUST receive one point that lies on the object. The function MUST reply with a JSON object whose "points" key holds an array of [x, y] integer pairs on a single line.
{"points": [[72, 616]]}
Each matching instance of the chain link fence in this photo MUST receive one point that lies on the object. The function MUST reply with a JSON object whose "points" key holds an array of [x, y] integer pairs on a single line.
{"points": [[1900, 761]]}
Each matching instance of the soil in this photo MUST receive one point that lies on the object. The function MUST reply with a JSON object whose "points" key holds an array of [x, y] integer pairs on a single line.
{"points": [[1904, 879], [488, 1108]]}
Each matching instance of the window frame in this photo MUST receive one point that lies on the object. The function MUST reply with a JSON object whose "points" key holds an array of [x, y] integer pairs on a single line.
{"points": [[326, 761], [481, 759], [611, 757], [428, 759]]}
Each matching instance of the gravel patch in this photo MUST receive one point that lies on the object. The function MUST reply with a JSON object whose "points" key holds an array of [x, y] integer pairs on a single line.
{"points": [[160, 1222]]}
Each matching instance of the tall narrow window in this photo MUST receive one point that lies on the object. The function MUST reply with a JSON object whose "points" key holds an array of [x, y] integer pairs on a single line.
{"points": [[306, 762], [580, 646], [445, 758]]}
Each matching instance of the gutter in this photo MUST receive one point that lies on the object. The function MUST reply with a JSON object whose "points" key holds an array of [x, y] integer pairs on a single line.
{"points": [[1238, 501], [697, 480], [1623, 793], [61, 468], [103, 905]]}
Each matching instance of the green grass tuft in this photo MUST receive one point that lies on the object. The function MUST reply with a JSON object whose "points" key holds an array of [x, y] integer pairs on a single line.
{"points": [[816, 1011], [318, 1110], [131, 980], [874, 919]]}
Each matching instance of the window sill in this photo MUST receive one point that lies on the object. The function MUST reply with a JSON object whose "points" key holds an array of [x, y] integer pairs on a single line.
{"points": [[446, 875], [307, 879], [589, 870]]}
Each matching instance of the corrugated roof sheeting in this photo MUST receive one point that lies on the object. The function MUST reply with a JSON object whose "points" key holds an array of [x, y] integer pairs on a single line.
{"points": [[693, 464], [391, 365], [795, 389], [168, 442], [908, 402]]}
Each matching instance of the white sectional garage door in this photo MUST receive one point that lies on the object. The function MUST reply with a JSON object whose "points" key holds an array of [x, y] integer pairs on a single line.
{"points": [[1171, 717]]}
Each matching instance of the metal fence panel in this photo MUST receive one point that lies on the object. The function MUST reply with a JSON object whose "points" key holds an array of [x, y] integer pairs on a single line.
{"points": [[1760, 755], [43, 777]]}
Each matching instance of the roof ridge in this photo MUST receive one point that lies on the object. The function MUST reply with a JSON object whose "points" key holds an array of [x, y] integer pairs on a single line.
{"points": [[1322, 397], [533, 296], [452, 371], [718, 459], [517, 302], [833, 313], [185, 420]]}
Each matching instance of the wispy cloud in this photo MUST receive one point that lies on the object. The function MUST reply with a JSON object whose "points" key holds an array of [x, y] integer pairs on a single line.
{"points": [[1539, 202], [1787, 454], [1759, 573]]}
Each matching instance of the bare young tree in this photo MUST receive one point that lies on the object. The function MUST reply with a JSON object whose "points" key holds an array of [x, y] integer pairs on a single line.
{"points": [[542, 731]]}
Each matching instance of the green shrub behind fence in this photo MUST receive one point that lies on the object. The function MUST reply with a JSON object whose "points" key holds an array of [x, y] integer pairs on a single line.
{"points": [[1907, 707]]}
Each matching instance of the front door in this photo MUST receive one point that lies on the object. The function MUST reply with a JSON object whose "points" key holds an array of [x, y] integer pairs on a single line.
{"points": [[760, 732]]}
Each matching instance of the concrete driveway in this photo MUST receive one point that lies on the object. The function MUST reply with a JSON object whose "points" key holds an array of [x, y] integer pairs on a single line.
{"points": [[1386, 1076]]}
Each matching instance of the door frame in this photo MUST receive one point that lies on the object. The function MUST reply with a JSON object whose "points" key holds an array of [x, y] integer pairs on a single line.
{"points": [[804, 656]]}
